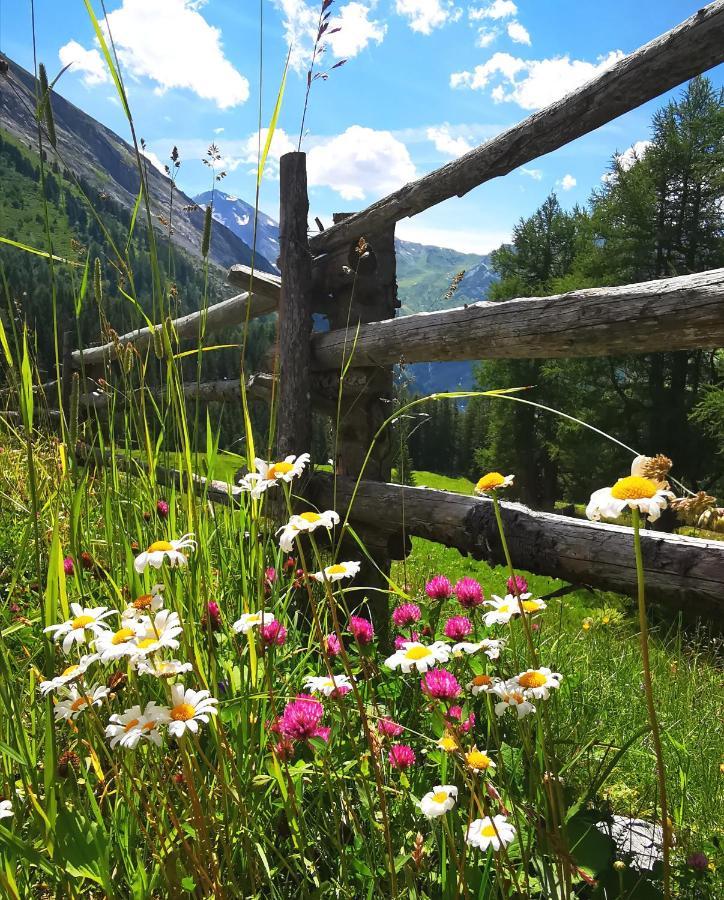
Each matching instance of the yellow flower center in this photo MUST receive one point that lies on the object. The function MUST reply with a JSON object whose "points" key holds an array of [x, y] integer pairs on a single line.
{"points": [[81, 622], [439, 796], [532, 679], [159, 545], [183, 712], [488, 831], [476, 759], [416, 653], [530, 605], [148, 726], [480, 680], [517, 696], [337, 569], [122, 636], [447, 743], [144, 601], [69, 671], [80, 702], [503, 608], [633, 488], [280, 468], [490, 481], [310, 517], [132, 724], [146, 642]]}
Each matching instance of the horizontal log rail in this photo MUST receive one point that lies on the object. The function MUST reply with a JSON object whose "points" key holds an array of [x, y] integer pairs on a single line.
{"points": [[691, 48], [682, 313], [228, 313], [680, 571]]}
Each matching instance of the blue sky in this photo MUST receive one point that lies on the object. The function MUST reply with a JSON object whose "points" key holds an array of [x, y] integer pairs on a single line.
{"points": [[424, 81]]}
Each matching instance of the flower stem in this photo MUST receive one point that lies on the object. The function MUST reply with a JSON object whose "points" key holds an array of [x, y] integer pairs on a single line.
{"points": [[648, 687]]}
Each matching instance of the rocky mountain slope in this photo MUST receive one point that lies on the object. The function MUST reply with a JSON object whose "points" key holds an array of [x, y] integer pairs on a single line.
{"points": [[238, 216], [101, 158]]}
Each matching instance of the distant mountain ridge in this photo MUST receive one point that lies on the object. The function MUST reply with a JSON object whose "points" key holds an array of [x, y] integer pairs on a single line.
{"points": [[99, 156], [238, 216]]}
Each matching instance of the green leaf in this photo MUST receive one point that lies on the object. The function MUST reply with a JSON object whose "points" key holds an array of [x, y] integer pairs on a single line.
{"points": [[273, 123]]}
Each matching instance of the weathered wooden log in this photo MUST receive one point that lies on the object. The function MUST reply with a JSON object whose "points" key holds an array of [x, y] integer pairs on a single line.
{"points": [[294, 415], [226, 314], [682, 572], [261, 283], [687, 50], [682, 313]]}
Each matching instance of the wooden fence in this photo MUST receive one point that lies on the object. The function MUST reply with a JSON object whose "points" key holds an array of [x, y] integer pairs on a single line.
{"points": [[347, 273]]}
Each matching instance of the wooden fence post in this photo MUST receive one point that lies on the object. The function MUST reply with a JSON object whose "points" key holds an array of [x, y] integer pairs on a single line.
{"points": [[294, 416], [362, 287]]}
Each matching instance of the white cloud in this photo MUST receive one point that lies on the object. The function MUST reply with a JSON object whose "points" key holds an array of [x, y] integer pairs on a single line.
{"points": [[172, 44], [218, 130], [499, 9], [356, 31], [359, 162], [426, 15], [485, 37], [445, 142], [533, 83], [627, 159], [465, 241], [518, 34], [535, 174], [300, 20], [88, 63], [567, 183]]}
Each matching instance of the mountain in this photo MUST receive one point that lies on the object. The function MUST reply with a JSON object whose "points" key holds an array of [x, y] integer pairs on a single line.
{"points": [[424, 277], [99, 157], [238, 216], [425, 274]]}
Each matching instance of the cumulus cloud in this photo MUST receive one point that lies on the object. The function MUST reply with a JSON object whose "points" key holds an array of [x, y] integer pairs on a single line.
{"points": [[626, 160], [535, 174], [187, 55], [154, 160], [300, 20], [499, 9], [360, 162], [88, 63], [425, 16], [567, 183], [485, 37], [445, 143], [518, 34], [464, 241], [532, 83]]}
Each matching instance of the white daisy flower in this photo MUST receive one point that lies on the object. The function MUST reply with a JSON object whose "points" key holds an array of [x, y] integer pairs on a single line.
{"points": [[537, 682], [6, 809], [305, 522], [512, 697], [74, 702], [633, 492], [145, 604], [87, 622], [164, 550], [287, 470], [504, 608], [128, 728], [157, 633], [490, 648], [323, 684], [255, 484], [338, 571], [247, 621], [414, 655], [483, 684], [439, 800], [493, 481], [162, 668], [116, 644], [487, 832], [70, 674], [188, 708]]}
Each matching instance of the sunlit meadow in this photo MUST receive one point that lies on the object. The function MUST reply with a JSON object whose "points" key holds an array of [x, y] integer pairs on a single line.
{"points": [[197, 702]]}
